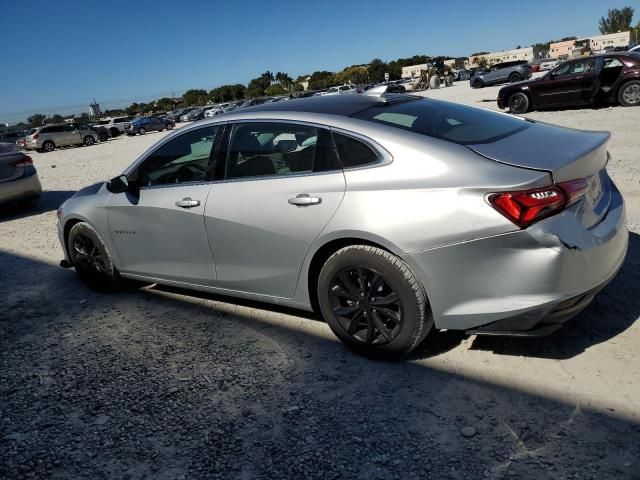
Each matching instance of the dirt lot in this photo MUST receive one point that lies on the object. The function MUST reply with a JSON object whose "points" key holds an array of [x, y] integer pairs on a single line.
{"points": [[152, 383]]}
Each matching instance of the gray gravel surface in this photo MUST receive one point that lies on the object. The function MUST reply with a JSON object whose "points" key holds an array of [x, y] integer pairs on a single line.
{"points": [[157, 383]]}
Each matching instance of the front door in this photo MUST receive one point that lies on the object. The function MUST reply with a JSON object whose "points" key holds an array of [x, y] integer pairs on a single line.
{"points": [[160, 233], [566, 84], [282, 184]]}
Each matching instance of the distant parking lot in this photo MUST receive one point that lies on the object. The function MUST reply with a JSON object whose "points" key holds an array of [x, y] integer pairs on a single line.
{"points": [[155, 383]]}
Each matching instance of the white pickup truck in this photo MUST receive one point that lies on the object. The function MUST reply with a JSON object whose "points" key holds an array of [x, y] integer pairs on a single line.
{"points": [[116, 126]]}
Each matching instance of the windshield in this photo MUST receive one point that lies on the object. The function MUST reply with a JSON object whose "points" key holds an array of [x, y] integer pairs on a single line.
{"points": [[447, 121]]}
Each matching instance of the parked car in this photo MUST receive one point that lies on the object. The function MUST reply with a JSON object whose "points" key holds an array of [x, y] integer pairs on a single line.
{"points": [[19, 183], [341, 90], [50, 137], [11, 137], [423, 216], [511, 72], [116, 126], [102, 130], [143, 125], [634, 49], [461, 75], [215, 109], [193, 115], [608, 78], [549, 64], [176, 114]]}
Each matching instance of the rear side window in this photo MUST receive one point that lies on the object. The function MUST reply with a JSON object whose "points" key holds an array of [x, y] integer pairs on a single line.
{"points": [[354, 153], [447, 121], [279, 149]]}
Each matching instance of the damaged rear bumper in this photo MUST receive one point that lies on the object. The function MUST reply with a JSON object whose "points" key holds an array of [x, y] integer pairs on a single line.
{"points": [[526, 282]]}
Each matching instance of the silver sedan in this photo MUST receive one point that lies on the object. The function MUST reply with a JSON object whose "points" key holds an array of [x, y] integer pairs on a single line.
{"points": [[392, 215]]}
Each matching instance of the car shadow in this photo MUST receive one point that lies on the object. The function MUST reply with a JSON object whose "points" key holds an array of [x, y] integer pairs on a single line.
{"points": [[613, 310], [167, 386], [49, 200]]}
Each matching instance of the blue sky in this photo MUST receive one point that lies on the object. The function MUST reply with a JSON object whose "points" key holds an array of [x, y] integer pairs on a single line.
{"points": [[65, 53]]}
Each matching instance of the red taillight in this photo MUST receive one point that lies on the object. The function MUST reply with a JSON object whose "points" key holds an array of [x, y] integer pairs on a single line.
{"points": [[574, 189], [528, 206], [25, 162], [525, 207], [35, 136]]}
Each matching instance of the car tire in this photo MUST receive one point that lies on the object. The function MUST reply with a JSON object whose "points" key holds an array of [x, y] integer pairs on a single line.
{"points": [[477, 83], [518, 103], [114, 132], [48, 146], [169, 126], [448, 81], [88, 141], [142, 131], [386, 327], [103, 136], [90, 257], [515, 77], [434, 82], [629, 94]]}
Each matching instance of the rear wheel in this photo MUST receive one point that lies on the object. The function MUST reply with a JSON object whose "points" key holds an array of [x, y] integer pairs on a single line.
{"points": [[89, 255], [142, 131], [103, 136], [169, 126], [373, 302], [629, 94], [48, 146], [515, 77], [519, 103], [88, 141]]}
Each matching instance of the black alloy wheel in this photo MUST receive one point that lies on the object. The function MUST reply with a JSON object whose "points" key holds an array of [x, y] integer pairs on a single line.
{"points": [[87, 255], [365, 305]]}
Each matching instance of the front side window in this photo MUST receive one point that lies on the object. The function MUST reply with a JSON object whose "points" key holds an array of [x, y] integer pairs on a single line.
{"points": [[187, 158], [574, 68], [278, 149]]}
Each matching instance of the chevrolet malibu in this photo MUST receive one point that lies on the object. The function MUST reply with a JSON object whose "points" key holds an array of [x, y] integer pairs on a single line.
{"points": [[392, 215]]}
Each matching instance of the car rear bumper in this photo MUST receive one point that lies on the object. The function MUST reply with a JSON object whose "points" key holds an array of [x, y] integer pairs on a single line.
{"points": [[23, 188], [552, 270]]}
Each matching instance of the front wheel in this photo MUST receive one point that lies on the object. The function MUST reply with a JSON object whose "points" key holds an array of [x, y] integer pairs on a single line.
{"points": [[629, 94], [515, 77], [89, 255], [103, 137], [477, 83], [519, 103], [373, 302], [169, 126]]}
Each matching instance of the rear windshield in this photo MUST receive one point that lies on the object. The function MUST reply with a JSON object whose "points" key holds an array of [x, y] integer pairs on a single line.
{"points": [[447, 121]]}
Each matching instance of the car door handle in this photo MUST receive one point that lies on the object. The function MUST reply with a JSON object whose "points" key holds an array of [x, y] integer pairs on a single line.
{"points": [[304, 200], [187, 203]]}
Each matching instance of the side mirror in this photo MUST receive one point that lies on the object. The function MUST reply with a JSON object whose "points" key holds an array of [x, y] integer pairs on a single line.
{"points": [[121, 184]]}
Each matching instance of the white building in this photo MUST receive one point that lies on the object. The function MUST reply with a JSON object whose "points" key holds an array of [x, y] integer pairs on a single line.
{"points": [[598, 43]]}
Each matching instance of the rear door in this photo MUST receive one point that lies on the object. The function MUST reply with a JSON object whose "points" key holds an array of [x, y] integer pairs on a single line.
{"points": [[160, 233], [281, 185]]}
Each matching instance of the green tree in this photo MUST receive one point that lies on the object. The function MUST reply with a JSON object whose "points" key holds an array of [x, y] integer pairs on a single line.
{"points": [[194, 97], [284, 80], [377, 68], [322, 79], [617, 20], [55, 118], [355, 74], [275, 89], [37, 119]]}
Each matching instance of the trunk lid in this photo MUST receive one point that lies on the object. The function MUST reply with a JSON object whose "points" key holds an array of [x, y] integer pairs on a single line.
{"points": [[565, 153]]}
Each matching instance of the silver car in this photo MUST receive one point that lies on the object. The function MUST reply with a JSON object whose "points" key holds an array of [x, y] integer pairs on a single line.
{"points": [[19, 183], [50, 137], [392, 215]]}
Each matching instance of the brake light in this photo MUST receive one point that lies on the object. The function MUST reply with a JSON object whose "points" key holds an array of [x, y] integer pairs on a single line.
{"points": [[528, 206], [525, 207], [574, 189], [25, 162]]}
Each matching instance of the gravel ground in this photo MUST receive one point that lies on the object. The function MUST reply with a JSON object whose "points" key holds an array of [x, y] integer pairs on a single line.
{"points": [[154, 383]]}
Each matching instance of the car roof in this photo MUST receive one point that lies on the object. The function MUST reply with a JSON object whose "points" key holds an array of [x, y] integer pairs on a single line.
{"points": [[345, 105]]}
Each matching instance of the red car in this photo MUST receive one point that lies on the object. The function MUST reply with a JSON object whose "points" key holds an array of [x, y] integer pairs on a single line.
{"points": [[606, 78]]}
